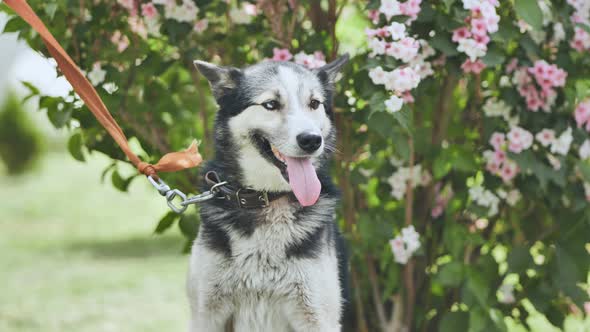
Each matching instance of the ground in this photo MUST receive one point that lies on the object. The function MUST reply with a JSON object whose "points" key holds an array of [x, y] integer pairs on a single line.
{"points": [[76, 255]]}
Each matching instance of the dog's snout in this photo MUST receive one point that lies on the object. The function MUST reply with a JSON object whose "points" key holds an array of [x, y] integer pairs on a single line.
{"points": [[309, 142]]}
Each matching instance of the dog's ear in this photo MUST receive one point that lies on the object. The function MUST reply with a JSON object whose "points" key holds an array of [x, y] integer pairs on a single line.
{"points": [[221, 79], [329, 72]]}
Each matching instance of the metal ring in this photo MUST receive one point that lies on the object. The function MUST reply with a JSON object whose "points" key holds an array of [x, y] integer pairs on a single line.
{"points": [[170, 195]]}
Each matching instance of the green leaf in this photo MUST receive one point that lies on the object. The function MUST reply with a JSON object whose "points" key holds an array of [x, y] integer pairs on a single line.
{"points": [[189, 225], [166, 222], [382, 122], [442, 42], [119, 182], [584, 26], [584, 170], [493, 57], [567, 275], [50, 9], [451, 274], [59, 118], [529, 11], [404, 118], [454, 322], [75, 146], [519, 259]]}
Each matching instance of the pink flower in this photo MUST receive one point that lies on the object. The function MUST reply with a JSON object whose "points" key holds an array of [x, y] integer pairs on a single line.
{"points": [[509, 171], [497, 140], [410, 8], [250, 9], [473, 66], [281, 54], [407, 97], [120, 40], [519, 139], [404, 49], [511, 65], [461, 33], [478, 27], [149, 11], [373, 16], [201, 25], [545, 137], [582, 113]]}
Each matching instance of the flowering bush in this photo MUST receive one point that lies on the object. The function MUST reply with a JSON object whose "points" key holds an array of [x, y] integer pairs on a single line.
{"points": [[464, 156]]}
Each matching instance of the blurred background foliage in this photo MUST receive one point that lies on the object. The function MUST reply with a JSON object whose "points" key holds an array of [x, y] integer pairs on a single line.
{"points": [[535, 251]]}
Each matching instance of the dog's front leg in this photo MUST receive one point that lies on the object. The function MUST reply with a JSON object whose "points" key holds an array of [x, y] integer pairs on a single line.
{"points": [[207, 318], [316, 304]]}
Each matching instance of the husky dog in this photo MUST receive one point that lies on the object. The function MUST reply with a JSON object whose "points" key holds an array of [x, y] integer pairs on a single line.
{"points": [[268, 256]]}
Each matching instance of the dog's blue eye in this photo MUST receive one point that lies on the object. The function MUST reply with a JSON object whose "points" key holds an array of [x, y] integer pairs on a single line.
{"points": [[314, 104], [271, 105]]}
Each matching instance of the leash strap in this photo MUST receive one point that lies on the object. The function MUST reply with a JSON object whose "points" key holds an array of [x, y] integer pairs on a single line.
{"points": [[171, 162]]}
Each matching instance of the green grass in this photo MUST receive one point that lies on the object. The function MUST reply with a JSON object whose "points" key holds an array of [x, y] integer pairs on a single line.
{"points": [[76, 255]]}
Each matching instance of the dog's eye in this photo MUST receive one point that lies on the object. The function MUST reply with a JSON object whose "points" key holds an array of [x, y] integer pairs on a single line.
{"points": [[271, 105], [314, 104]]}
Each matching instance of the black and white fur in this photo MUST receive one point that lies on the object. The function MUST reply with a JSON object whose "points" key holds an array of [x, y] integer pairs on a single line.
{"points": [[279, 268]]}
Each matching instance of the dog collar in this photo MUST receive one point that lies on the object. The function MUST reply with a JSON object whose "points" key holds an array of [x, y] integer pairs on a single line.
{"points": [[243, 198]]}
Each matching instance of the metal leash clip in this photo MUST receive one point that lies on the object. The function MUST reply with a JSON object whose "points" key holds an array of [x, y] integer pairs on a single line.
{"points": [[171, 194]]}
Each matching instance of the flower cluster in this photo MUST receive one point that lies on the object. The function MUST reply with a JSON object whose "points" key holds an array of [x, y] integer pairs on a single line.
{"points": [[582, 114], [483, 20], [442, 199], [485, 198], [497, 162], [311, 61], [399, 180], [391, 8], [405, 244], [559, 145], [393, 40], [497, 108], [536, 84], [581, 40], [243, 14]]}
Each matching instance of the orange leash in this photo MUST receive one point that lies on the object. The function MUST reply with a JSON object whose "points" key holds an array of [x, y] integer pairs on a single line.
{"points": [[170, 162]]}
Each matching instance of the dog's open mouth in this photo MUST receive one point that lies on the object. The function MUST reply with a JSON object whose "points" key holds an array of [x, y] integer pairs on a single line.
{"points": [[298, 171]]}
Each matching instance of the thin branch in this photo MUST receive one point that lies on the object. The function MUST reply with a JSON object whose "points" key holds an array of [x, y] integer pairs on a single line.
{"points": [[377, 300]]}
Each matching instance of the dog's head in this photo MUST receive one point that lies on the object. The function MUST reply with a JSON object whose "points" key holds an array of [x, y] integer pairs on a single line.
{"points": [[276, 122]]}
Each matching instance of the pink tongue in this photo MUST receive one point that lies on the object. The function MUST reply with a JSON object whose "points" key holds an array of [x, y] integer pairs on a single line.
{"points": [[303, 180]]}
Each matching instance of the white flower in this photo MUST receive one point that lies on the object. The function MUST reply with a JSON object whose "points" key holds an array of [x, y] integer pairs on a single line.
{"points": [[390, 8], [513, 197], [110, 87], [562, 144], [404, 245], [97, 74], [546, 137], [378, 75], [494, 107], [402, 79], [394, 104], [469, 4], [240, 16], [507, 294], [558, 33], [397, 30], [472, 48], [485, 198], [186, 12], [585, 150], [400, 254], [555, 163], [411, 238], [377, 47]]}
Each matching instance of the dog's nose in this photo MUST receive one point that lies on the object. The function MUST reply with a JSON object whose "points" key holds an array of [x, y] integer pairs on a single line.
{"points": [[309, 142]]}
